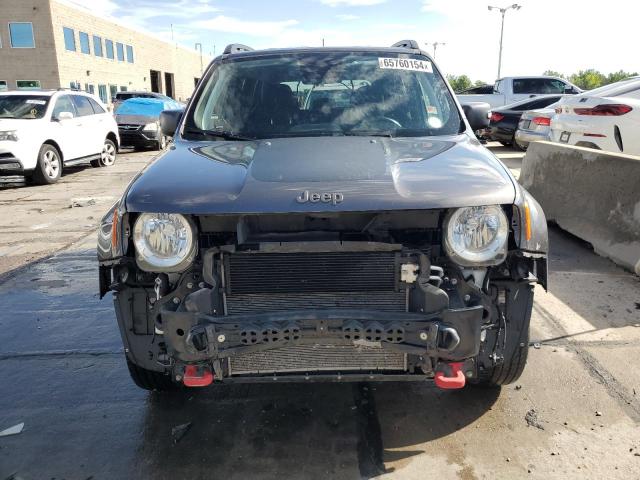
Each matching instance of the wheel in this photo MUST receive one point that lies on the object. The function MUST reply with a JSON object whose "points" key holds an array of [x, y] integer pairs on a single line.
{"points": [[150, 380], [162, 143], [516, 342], [49, 167], [108, 155], [517, 146]]}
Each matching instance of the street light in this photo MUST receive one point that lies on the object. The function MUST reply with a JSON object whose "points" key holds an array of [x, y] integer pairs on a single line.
{"points": [[435, 47], [199, 45], [503, 10]]}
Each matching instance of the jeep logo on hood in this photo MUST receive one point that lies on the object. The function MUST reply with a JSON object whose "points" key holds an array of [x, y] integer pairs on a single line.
{"points": [[315, 197]]}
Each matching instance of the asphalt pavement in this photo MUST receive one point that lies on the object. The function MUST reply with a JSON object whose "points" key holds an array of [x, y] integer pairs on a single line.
{"points": [[575, 413]]}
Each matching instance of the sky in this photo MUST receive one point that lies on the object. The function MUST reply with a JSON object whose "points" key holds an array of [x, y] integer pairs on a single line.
{"points": [[560, 35]]}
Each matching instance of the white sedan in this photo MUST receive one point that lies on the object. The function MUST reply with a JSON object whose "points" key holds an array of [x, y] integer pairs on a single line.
{"points": [[42, 131], [606, 118]]}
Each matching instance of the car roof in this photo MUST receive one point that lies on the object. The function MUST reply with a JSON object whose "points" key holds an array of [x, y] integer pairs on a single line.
{"points": [[139, 92], [321, 50], [39, 93]]}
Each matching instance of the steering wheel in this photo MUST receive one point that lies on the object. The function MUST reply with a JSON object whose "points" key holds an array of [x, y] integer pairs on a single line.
{"points": [[381, 123]]}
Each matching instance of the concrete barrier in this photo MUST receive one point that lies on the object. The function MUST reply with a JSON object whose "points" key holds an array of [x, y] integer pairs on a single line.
{"points": [[594, 195]]}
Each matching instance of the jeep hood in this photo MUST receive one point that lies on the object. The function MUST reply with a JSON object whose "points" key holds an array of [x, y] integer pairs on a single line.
{"points": [[371, 174]]}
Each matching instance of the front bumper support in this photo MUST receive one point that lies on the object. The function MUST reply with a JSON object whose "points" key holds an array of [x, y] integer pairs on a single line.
{"points": [[453, 334]]}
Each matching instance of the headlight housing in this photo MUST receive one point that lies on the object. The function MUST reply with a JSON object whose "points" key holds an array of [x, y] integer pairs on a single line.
{"points": [[165, 242], [150, 127], [477, 236], [9, 136]]}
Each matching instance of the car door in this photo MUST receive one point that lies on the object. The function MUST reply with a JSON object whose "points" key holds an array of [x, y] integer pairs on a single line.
{"points": [[104, 121], [64, 130], [89, 138]]}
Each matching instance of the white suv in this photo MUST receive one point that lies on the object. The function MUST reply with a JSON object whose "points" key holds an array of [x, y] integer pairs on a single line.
{"points": [[43, 131]]}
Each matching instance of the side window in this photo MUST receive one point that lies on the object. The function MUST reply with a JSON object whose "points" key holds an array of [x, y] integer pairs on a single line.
{"points": [[63, 104], [552, 86], [83, 106], [526, 85], [96, 106], [498, 86]]}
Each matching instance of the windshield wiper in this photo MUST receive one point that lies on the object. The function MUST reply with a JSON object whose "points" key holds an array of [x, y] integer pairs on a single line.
{"points": [[218, 133], [369, 133]]}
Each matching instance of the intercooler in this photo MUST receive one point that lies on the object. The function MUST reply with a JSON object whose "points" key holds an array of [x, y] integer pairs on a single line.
{"points": [[317, 358], [263, 282]]}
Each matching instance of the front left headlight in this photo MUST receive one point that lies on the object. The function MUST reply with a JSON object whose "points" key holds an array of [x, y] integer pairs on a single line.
{"points": [[477, 236], [165, 242], [150, 127], [9, 136]]}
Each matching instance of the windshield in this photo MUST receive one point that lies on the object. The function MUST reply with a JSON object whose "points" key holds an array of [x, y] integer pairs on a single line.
{"points": [[28, 107], [315, 94]]}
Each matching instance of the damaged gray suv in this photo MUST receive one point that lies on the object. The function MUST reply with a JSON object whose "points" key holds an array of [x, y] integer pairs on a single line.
{"points": [[324, 214]]}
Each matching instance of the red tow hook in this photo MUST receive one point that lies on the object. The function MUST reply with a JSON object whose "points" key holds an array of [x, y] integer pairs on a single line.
{"points": [[454, 381], [197, 376]]}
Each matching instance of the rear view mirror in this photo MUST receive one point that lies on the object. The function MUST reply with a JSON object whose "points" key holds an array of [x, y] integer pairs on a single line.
{"points": [[169, 120], [477, 114], [64, 116]]}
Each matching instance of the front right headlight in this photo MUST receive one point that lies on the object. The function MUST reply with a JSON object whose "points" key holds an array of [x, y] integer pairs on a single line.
{"points": [[477, 236], [9, 136], [165, 242], [150, 127]]}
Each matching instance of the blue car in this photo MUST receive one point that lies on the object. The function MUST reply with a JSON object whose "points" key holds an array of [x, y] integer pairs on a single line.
{"points": [[139, 122]]}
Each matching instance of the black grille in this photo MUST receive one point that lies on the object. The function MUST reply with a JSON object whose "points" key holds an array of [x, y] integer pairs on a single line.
{"points": [[311, 272]]}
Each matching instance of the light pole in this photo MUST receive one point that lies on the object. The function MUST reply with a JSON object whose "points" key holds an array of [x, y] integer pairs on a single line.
{"points": [[502, 11], [199, 45], [435, 47]]}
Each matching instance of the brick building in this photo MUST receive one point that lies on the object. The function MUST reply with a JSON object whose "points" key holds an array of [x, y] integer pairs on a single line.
{"points": [[52, 44]]}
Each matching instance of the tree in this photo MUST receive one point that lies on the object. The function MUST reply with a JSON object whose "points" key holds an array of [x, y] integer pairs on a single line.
{"points": [[588, 79], [619, 75], [459, 83], [553, 73]]}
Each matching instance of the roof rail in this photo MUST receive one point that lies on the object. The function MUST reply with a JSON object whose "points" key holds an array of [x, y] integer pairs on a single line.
{"points": [[236, 48], [410, 44]]}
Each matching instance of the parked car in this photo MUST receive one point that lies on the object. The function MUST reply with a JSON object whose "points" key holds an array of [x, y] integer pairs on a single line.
{"points": [[534, 125], [509, 90], [606, 118], [478, 90], [43, 131], [138, 122], [381, 242], [504, 121], [123, 96]]}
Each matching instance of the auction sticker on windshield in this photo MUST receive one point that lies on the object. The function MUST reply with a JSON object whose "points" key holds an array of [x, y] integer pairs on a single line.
{"points": [[405, 64]]}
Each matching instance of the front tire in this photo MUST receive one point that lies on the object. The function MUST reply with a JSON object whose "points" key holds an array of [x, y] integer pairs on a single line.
{"points": [[107, 156], [49, 167], [162, 143], [516, 341], [150, 380]]}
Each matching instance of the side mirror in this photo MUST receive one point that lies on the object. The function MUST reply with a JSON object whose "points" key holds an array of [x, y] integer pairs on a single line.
{"points": [[64, 116], [477, 114], [169, 120]]}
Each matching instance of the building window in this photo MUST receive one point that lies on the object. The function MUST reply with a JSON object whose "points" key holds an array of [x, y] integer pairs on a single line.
{"points": [[21, 35], [102, 93], [89, 88], [129, 54], [97, 46], [113, 89], [120, 50], [69, 39], [3, 85], [28, 84], [84, 43], [109, 46], [74, 85], [123, 89]]}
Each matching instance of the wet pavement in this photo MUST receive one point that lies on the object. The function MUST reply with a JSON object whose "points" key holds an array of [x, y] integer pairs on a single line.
{"points": [[62, 373]]}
